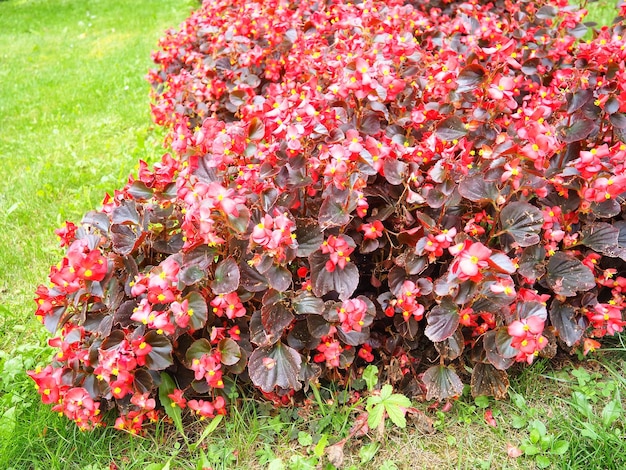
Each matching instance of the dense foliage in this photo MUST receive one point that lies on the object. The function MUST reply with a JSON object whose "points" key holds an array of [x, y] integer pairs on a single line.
{"points": [[351, 183]]}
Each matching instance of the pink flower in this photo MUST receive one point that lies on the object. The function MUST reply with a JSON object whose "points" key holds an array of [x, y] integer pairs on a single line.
{"points": [[471, 258]]}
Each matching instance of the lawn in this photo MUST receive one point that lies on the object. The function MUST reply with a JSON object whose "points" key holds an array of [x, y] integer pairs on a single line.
{"points": [[74, 121]]}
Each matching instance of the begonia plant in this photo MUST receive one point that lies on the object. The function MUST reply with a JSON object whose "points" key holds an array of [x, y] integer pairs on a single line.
{"points": [[435, 190]]}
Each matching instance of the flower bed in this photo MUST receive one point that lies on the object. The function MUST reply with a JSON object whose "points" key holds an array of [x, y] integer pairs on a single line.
{"points": [[351, 183]]}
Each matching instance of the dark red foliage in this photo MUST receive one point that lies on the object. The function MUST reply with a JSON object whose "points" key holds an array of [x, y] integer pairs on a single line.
{"points": [[352, 183]]}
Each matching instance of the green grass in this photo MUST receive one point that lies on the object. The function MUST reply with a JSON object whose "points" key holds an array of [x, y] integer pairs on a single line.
{"points": [[74, 120]]}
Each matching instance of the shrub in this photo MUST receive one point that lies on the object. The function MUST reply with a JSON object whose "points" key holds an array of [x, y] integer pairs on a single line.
{"points": [[351, 183]]}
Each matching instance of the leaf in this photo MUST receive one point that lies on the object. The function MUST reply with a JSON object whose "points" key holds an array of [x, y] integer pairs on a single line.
{"points": [[618, 120], [502, 263], [226, 277], [335, 212], [375, 416], [563, 318], [580, 130], [605, 209], [577, 100], [251, 279], [123, 238], [531, 264], [166, 388], [487, 380], [275, 316], [452, 347], [600, 237], [198, 348], [560, 447], [370, 375], [239, 223], [395, 171], [530, 66], [470, 77], [494, 356], [140, 191], [450, 129], [97, 219], [343, 281], [611, 412], [276, 366], [309, 236], [279, 277], [212, 426], [124, 213], [567, 275], [191, 275], [230, 351], [198, 309], [546, 12], [256, 129], [523, 221], [531, 308], [442, 383], [477, 189], [160, 357], [307, 304], [443, 321]]}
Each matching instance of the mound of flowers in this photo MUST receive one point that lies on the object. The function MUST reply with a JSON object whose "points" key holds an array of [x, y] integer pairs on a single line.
{"points": [[434, 190]]}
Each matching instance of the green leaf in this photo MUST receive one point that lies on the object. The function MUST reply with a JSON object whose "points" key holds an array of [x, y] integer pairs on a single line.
{"points": [[396, 414], [368, 451], [305, 439], [212, 426], [275, 366], [197, 349], [375, 415], [611, 412], [370, 375], [320, 447], [523, 222], [174, 412], [567, 275], [560, 447], [542, 461], [226, 278]]}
